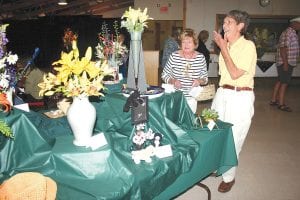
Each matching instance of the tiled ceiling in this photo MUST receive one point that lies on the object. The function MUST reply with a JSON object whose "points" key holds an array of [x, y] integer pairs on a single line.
{"points": [[30, 9]]}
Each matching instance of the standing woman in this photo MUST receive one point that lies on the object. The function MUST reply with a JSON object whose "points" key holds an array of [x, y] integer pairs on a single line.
{"points": [[202, 38], [186, 68], [234, 99], [171, 45]]}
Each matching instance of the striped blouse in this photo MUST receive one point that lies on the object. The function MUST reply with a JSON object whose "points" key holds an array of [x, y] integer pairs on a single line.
{"points": [[185, 70]]}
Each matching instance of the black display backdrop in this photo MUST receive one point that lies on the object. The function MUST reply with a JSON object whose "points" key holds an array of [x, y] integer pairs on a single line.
{"points": [[47, 32]]}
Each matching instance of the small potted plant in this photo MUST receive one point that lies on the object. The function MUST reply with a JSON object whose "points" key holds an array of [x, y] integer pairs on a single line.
{"points": [[209, 114]]}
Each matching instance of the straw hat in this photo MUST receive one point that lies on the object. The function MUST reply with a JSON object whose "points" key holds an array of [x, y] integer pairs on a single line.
{"points": [[29, 186], [296, 19]]}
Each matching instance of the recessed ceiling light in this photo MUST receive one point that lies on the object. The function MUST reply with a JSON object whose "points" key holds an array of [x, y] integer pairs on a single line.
{"points": [[264, 3], [62, 2]]}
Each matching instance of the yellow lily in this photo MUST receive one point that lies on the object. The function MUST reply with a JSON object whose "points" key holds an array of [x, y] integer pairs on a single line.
{"points": [[75, 76]]}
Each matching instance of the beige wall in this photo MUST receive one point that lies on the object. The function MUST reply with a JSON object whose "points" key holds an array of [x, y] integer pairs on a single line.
{"points": [[174, 8], [201, 14]]}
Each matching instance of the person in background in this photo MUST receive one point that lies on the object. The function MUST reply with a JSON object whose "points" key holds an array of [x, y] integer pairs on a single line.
{"points": [[234, 99], [186, 68], [286, 60], [171, 44], [28, 83], [124, 57], [202, 38]]}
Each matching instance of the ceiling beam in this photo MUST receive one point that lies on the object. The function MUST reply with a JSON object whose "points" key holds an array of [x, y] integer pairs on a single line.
{"points": [[17, 5], [103, 10], [25, 9]]}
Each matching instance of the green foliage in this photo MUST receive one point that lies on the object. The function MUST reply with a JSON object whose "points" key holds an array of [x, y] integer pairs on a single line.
{"points": [[5, 129], [208, 114]]}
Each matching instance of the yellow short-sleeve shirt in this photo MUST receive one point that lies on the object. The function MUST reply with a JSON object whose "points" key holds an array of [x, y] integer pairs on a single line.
{"points": [[243, 54]]}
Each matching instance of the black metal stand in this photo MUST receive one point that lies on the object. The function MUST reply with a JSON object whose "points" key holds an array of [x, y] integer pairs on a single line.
{"points": [[206, 188]]}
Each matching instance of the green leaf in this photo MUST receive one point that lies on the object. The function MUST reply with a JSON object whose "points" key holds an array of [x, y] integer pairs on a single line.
{"points": [[209, 114], [5, 129]]}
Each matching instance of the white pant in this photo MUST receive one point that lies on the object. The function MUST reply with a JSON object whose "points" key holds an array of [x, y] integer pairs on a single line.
{"points": [[236, 108]]}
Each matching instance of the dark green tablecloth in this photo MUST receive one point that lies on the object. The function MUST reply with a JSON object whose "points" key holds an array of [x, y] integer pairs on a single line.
{"points": [[45, 145]]}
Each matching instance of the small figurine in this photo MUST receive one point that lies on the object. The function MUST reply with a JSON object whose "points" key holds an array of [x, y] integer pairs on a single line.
{"points": [[149, 134], [157, 139], [143, 154], [139, 138]]}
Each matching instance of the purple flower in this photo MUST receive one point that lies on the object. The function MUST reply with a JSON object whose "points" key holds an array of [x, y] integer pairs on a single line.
{"points": [[3, 42]]}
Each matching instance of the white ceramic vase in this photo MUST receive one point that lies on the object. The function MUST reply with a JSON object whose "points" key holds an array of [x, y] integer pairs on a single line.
{"points": [[81, 116]]}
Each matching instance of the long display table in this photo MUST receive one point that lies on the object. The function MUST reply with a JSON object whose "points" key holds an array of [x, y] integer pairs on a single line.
{"points": [[45, 145]]}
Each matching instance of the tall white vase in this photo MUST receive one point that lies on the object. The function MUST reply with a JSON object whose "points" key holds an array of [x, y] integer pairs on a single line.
{"points": [[81, 117]]}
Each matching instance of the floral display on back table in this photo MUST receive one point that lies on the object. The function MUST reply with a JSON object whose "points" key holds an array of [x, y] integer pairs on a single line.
{"points": [[110, 49], [8, 71], [68, 38], [8, 79]]}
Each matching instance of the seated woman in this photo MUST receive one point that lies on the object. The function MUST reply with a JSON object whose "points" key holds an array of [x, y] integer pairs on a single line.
{"points": [[28, 85], [186, 68]]}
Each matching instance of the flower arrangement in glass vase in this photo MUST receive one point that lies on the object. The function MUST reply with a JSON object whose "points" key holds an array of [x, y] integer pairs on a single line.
{"points": [[135, 20], [109, 48]]}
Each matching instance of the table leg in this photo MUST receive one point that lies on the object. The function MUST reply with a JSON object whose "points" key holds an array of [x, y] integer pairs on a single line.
{"points": [[205, 187]]}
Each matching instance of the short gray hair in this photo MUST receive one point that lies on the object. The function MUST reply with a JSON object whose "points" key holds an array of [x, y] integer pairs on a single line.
{"points": [[240, 17]]}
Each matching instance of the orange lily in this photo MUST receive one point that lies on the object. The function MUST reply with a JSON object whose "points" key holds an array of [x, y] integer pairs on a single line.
{"points": [[4, 102]]}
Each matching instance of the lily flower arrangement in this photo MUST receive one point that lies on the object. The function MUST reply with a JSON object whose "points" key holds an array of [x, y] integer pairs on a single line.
{"points": [[135, 20], [75, 77]]}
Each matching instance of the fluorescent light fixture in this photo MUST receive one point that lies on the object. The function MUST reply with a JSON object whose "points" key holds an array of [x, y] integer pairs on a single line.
{"points": [[62, 2]]}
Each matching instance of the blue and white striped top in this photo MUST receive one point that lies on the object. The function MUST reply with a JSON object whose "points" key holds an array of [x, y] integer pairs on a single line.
{"points": [[185, 70]]}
